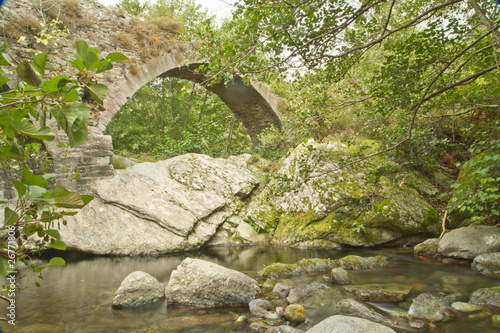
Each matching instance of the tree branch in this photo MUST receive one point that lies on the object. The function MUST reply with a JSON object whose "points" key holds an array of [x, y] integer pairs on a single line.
{"points": [[388, 19]]}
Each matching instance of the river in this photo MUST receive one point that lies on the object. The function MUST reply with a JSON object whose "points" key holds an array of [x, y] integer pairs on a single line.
{"points": [[77, 297]]}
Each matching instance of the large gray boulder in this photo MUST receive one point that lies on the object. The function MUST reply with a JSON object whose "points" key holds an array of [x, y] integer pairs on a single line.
{"points": [[152, 208], [469, 242], [313, 201], [205, 284], [346, 324], [138, 288], [487, 264]]}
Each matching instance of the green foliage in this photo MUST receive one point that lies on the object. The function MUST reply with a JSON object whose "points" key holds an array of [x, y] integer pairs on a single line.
{"points": [[273, 144], [31, 223], [170, 117], [395, 71], [358, 228], [476, 198]]}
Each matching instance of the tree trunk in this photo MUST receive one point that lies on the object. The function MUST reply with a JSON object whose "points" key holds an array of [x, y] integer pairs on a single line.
{"points": [[230, 133]]}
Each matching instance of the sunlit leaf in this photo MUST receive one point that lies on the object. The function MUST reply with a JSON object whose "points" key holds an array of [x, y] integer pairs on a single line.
{"points": [[27, 128], [98, 92], [56, 262], [39, 61]]}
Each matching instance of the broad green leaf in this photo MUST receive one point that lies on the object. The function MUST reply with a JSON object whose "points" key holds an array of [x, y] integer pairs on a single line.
{"points": [[3, 47], [93, 49], [98, 92], [71, 95], [81, 48], [29, 178], [10, 216], [3, 80], [71, 200], [20, 187], [55, 84], [89, 59], [53, 233], [86, 198], [35, 192], [78, 63], [5, 59], [61, 197], [72, 119], [99, 63], [27, 128], [5, 117], [116, 56], [12, 150], [39, 61], [106, 67], [58, 245], [56, 262], [28, 75]]}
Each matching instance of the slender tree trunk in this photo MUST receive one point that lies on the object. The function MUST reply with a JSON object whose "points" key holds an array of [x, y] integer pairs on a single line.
{"points": [[186, 116], [230, 133], [202, 110]]}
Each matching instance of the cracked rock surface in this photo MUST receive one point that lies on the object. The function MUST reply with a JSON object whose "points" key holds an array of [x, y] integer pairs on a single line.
{"points": [[167, 206]]}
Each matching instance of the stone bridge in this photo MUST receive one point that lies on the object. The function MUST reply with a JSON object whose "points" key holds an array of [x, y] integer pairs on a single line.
{"points": [[153, 49]]}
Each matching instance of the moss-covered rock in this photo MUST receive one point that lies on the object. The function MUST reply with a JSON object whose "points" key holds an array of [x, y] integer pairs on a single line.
{"points": [[302, 266], [356, 262], [315, 202], [477, 192], [486, 296]]}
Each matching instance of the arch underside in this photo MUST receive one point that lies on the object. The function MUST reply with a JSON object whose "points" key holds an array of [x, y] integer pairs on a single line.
{"points": [[253, 104], [244, 100]]}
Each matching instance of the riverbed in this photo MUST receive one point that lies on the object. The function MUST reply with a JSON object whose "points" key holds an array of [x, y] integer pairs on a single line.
{"points": [[77, 297]]}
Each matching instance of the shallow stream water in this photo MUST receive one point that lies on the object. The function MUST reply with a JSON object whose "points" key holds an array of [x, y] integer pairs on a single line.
{"points": [[77, 297]]}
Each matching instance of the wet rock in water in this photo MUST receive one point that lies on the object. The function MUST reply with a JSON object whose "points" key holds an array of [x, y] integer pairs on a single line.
{"points": [[466, 307], [302, 266], [260, 307], [469, 242], [428, 247], [380, 293], [204, 284], [314, 295], [282, 289], [354, 262], [295, 313], [495, 320], [240, 323], [486, 296], [347, 324], [487, 264], [259, 326], [138, 288], [341, 276], [429, 306], [354, 308]]}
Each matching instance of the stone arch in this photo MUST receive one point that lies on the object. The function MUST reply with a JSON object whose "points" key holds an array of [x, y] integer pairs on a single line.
{"points": [[253, 104]]}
